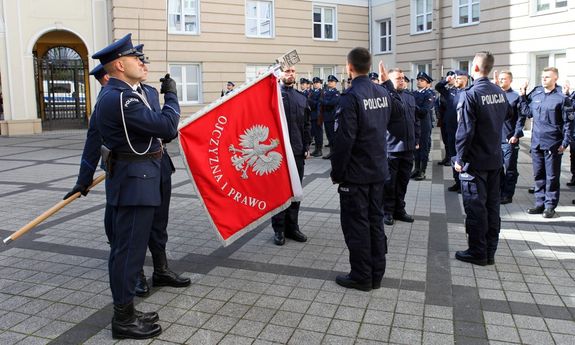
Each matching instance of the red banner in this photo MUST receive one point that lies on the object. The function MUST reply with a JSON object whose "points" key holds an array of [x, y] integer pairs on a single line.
{"points": [[238, 154]]}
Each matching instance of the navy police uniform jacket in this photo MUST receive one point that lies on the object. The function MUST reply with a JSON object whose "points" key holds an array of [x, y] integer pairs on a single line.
{"points": [[451, 99], [314, 102], [360, 149], [425, 103], [552, 115], [298, 120], [134, 183], [513, 126], [403, 128], [329, 102], [482, 109]]}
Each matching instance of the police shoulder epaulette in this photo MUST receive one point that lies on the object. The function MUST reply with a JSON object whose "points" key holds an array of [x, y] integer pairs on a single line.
{"points": [[469, 87]]}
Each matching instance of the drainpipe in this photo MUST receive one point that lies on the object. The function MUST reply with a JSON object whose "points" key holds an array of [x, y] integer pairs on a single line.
{"points": [[369, 24], [438, 39]]}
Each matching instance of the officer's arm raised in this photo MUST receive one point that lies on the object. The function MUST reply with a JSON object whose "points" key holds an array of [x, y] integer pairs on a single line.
{"points": [[140, 118]]}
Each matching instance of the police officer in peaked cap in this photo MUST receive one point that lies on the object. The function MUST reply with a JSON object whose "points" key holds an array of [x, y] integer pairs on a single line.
{"points": [[482, 110], [425, 103], [329, 104], [314, 102], [374, 77], [130, 129]]}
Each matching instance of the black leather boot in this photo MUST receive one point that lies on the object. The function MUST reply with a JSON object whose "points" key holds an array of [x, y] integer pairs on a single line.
{"points": [[150, 317], [416, 169], [126, 325], [142, 288], [163, 276]]}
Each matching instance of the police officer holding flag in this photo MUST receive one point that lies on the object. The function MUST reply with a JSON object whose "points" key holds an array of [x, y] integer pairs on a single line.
{"points": [[129, 129], [482, 109]]}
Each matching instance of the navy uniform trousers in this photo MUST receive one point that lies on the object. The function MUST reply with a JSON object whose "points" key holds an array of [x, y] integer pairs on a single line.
{"points": [[287, 220], [510, 173], [480, 191], [546, 171], [400, 165], [317, 133], [422, 153], [364, 235]]}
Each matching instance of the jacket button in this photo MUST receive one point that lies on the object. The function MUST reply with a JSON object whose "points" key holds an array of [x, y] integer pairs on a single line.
{"points": [[145, 175]]}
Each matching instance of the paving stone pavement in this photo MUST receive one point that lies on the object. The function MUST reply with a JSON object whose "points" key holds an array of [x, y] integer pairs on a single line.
{"points": [[54, 281]]}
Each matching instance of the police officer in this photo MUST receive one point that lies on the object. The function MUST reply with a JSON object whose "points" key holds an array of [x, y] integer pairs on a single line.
{"points": [[329, 104], [297, 111], [482, 110], [425, 103], [129, 129], [304, 86], [402, 138], [568, 92], [230, 87], [374, 77], [359, 167], [441, 106], [162, 275], [314, 102], [512, 131], [552, 114], [449, 120]]}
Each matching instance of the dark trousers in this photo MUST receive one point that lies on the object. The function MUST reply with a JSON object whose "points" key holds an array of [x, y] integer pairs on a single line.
{"points": [[510, 173], [450, 149], [287, 220], [329, 132], [317, 133], [130, 233], [546, 172], [572, 158], [159, 233], [399, 165], [480, 193], [361, 214], [422, 153]]}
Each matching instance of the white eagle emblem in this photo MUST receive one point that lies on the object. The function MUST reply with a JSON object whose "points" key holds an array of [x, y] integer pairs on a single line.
{"points": [[253, 153]]}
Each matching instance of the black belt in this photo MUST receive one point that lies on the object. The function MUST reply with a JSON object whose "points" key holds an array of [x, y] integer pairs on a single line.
{"points": [[128, 156]]}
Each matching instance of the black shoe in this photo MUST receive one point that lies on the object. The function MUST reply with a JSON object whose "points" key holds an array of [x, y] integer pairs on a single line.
{"points": [[421, 176], [296, 235], [150, 317], [317, 153], [347, 282], [506, 200], [375, 284], [328, 156], [465, 256], [443, 161], [491, 261], [572, 182], [327, 145], [142, 288], [455, 188], [536, 210], [414, 174], [163, 276], [126, 325], [388, 219], [531, 190], [279, 238], [549, 213], [404, 217]]}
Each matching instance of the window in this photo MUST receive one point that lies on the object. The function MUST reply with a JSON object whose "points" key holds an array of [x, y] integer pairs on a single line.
{"points": [[558, 60], [423, 66], [385, 36], [259, 18], [548, 5], [464, 65], [323, 72], [183, 16], [254, 71], [421, 15], [187, 77], [466, 12], [324, 22]]}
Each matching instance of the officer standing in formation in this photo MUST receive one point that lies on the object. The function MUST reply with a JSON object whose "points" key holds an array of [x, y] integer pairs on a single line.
{"points": [[441, 106], [425, 103], [402, 138], [359, 167], [314, 102], [552, 114], [512, 131], [129, 128], [304, 87], [374, 77], [329, 103], [449, 121], [230, 87], [567, 91], [482, 111], [297, 111]]}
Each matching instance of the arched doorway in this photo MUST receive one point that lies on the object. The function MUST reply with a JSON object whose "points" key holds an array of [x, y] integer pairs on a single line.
{"points": [[61, 73]]}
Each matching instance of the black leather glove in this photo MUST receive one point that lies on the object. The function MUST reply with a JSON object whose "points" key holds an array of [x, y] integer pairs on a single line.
{"points": [[77, 188], [168, 85]]}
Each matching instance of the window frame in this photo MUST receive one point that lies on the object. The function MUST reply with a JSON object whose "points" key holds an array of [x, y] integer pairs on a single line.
{"points": [[183, 93], [428, 68], [552, 8], [257, 67], [272, 19], [414, 15], [389, 37], [323, 74], [180, 32], [455, 13], [323, 6], [552, 56]]}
